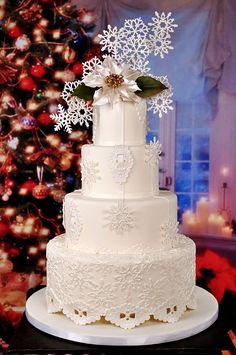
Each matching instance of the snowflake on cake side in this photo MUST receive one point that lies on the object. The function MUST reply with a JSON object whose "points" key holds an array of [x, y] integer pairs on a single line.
{"points": [[153, 152], [169, 233], [73, 223], [119, 218], [120, 163], [90, 172]]}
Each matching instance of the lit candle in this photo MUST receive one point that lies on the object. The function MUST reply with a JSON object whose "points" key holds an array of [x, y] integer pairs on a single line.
{"points": [[215, 224], [212, 224], [202, 212], [186, 216], [193, 225], [227, 231]]}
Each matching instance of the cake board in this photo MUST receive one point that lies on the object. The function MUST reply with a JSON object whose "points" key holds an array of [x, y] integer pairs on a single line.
{"points": [[151, 332]]}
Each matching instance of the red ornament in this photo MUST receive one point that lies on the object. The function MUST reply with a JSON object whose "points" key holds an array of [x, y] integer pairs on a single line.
{"points": [[4, 228], [13, 252], [14, 31], [9, 183], [93, 52], [27, 84], [40, 191], [38, 71], [6, 266], [28, 122], [28, 185], [45, 118], [78, 68]]}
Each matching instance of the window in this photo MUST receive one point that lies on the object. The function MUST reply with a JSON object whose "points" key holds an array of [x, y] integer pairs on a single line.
{"points": [[184, 134], [192, 155]]}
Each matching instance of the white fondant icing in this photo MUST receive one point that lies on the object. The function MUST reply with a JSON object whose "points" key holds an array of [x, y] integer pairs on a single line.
{"points": [[125, 289], [134, 179], [118, 124], [148, 216]]}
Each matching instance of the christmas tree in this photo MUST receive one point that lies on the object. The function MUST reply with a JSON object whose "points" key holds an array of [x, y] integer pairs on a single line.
{"points": [[42, 44]]}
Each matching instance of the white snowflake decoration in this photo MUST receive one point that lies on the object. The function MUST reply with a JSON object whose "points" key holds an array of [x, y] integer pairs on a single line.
{"points": [[90, 66], [153, 152], [161, 103], [90, 172], [135, 47], [131, 44], [162, 26], [169, 233], [68, 90], [74, 223], [120, 218], [80, 111], [110, 40], [121, 162], [62, 119]]}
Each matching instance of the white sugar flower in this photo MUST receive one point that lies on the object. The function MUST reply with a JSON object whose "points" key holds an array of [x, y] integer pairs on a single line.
{"points": [[116, 82]]}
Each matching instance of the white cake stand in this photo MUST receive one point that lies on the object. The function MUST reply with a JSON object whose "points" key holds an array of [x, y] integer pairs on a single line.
{"points": [[151, 332]]}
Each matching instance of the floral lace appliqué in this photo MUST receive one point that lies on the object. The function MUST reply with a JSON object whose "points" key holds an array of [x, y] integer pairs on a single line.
{"points": [[120, 163], [125, 289]]}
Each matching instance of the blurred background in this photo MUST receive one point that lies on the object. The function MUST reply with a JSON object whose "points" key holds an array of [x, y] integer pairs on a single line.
{"points": [[43, 44]]}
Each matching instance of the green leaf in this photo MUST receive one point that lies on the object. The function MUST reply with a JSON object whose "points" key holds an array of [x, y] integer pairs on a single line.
{"points": [[84, 92], [149, 86]]}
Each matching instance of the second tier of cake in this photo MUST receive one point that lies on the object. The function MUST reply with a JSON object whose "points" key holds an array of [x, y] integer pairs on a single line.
{"points": [[119, 171]]}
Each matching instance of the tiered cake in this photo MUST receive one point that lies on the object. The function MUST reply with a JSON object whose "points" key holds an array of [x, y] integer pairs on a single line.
{"points": [[121, 257]]}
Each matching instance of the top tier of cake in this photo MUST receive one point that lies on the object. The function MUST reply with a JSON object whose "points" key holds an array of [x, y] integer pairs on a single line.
{"points": [[119, 163], [123, 123]]}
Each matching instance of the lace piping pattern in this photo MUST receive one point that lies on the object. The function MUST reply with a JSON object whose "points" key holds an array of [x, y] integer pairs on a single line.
{"points": [[124, 289]]}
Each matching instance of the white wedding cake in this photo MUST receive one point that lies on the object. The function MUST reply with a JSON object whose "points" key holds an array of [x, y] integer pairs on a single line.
{"points": [[121, 258]]}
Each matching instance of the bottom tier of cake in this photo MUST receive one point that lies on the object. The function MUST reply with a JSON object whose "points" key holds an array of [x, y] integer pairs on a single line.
{"points": [[125, 290]]}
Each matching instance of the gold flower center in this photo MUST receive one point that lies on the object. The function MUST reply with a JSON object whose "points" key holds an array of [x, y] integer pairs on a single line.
{"points": [[114, 80]]}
